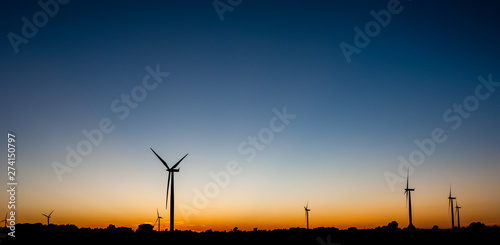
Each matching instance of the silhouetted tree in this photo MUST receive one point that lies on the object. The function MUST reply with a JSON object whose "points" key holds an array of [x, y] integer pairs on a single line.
{"points": [[393, 225], [145, 228], [476, 226], [435, 228]]}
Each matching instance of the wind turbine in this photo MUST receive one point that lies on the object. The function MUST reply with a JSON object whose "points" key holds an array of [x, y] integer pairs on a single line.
{"points": [[158, 219], [307, 214], [458, 214], [450, 198], [5, 220], [171, 172], [48, 217], [408, 199]]}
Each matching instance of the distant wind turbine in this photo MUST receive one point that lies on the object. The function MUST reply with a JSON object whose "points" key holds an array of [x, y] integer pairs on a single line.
{"points": [[5, 220], [48, 217], [307, 214], [158, 218], [458, 213], [170, 182], [408, 199], [450, 198]]}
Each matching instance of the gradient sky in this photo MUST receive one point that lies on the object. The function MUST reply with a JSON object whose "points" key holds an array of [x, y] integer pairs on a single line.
{"points": [[352, 121]]}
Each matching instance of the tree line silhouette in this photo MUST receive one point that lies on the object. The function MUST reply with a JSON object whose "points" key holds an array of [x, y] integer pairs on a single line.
{"points": [[475, 233]]}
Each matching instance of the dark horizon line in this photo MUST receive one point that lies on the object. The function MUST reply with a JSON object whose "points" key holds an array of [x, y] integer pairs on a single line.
{"points": [[393, 225]]}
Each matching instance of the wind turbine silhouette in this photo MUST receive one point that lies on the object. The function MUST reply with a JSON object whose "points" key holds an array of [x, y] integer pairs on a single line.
{"points": [[5, 220], [458, 213], [450, 198], [48, 217], [408, 199], [307, 214], [158, 219], [171, 172]]}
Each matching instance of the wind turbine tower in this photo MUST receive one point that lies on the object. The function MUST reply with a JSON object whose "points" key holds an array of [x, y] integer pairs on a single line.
{"points": [[170, 182], [458, 213], [158, 218], [48, 217], [307, 215], [408, 200], [450, 198]]}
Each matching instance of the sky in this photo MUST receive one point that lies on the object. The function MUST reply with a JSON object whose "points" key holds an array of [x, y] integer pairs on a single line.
{"points": [[279, 104]]}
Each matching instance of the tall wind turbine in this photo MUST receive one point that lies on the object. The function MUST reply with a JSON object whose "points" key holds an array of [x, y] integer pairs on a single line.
{"points": [[408, 199], [158, 218], [48, 217], [170, 182], [307, 214], [5, 220], [458, 213], [450, 198]]}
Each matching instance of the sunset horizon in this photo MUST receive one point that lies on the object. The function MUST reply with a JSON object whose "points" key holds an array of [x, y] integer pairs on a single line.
{"points": [[248, 114]]}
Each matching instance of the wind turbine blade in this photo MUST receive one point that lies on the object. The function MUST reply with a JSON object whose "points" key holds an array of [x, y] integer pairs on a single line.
{"points": [[407, 177], [164, 163], [168, 189], [155, 221], [51, 213], [180, 161], [407, 192], [157, 214]]}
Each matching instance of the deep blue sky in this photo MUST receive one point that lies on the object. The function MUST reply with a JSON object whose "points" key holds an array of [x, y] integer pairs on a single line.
{"points": [[353, 119]]}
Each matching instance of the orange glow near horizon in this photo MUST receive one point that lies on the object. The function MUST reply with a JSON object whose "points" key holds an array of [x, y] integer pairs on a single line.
{"points": [[272, 110], [268, 218], [337, 197]]}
